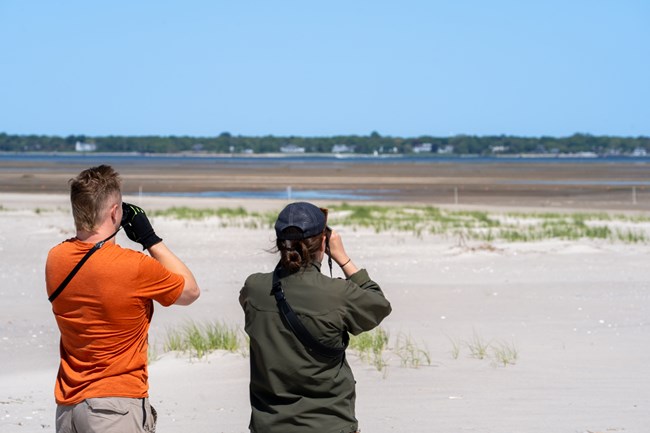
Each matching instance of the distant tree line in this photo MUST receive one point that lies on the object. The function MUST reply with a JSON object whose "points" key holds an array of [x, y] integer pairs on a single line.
{"points": [[373, 143]]}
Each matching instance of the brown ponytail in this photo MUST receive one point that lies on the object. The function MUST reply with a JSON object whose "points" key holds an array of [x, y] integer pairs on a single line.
{"points": [[299, 253]]}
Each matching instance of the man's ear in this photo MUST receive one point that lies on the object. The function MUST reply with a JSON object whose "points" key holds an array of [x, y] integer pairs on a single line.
{"points": [[115, 213], [323, 243]]}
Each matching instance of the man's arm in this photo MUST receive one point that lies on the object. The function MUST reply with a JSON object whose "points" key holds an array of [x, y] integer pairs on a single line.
{"points": [[168, 259], [138, 228]]}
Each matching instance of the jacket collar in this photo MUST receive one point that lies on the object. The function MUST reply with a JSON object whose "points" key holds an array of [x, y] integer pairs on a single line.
{"points": [[313, 267]]}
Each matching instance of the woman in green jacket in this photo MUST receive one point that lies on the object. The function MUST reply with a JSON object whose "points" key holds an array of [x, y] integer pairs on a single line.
{"points": [[298, 384]]}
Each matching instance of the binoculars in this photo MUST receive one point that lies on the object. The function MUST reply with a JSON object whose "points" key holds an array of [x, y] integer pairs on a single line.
{"points": [[127, 213]]}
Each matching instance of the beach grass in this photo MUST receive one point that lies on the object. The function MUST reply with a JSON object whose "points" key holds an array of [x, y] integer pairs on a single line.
{"points": [[374, 348], [370, 346], [466, 225], [478, 347], [227, 217], [501, 353], [504, 353], [201, 339], [455, 347], [198, 340], [410, 353]]}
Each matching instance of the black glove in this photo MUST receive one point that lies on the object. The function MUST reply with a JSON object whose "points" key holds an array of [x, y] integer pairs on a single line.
{"points": [[137, 226]]}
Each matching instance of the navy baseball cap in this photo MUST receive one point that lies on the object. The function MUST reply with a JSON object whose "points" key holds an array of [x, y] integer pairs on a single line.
{"points": [[307, 218]]}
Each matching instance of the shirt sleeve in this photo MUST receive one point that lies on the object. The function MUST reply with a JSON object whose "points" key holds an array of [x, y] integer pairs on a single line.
{"points": [[158, 283], [365, 304]]}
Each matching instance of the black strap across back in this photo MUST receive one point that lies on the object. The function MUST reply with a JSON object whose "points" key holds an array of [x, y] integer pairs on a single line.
{"points": [[74, 271], [298, 328]]}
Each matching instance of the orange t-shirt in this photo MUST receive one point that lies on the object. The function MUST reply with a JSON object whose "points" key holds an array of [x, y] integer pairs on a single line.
{"points": [[103, 315]]}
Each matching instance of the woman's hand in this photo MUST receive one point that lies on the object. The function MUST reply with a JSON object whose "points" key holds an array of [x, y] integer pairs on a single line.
{"points": [[339, 255]]}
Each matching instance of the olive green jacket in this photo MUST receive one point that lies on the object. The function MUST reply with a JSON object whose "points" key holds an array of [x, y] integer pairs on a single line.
{"points": [[291, 388]]}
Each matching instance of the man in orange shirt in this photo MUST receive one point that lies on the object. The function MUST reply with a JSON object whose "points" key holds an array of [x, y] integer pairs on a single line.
{"points": [[102, 298]]}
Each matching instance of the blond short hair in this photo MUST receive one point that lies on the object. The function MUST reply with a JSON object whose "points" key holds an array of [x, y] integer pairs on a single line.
{"points": [[90, 192]]}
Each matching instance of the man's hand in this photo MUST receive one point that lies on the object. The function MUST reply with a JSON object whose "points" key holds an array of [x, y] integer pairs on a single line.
{"points": [[137, 226]]}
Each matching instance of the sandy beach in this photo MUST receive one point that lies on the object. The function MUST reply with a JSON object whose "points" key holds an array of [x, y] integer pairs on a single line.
{"points": [[575, 311]]}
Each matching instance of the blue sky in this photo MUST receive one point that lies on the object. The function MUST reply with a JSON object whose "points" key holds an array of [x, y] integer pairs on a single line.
{"points": [[402, 68]]}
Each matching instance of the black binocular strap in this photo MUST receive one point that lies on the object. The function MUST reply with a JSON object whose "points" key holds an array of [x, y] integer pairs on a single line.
{"points": [[298, 328], [74, 271]]}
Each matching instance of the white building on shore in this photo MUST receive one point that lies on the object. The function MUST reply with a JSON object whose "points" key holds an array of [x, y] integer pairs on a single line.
{"points": [[84, 147], [423, 148], [292, 148], [342, 148]]}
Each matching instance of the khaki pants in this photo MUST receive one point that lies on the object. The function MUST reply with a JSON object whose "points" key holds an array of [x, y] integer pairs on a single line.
{"points": [[107, 414]]}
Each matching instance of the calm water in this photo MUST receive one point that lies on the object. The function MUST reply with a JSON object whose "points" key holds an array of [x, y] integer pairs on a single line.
{"points": [[288, 194], [154, 159]]}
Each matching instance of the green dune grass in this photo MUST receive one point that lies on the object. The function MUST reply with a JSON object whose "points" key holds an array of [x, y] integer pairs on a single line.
{"points": [[466, 225]]}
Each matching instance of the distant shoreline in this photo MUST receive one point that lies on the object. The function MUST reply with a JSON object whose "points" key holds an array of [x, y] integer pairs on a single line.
{"points": [[592, 184], [520, 157]]}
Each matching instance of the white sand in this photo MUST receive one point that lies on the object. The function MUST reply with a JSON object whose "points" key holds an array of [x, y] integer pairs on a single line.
{"points": [[578, 314]]}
